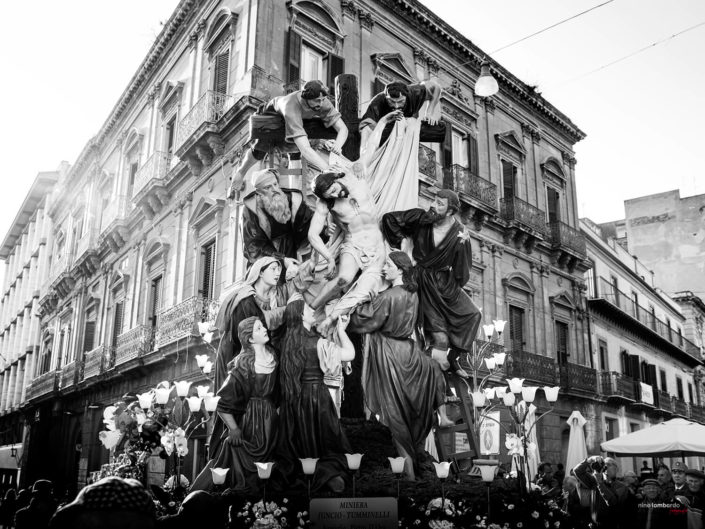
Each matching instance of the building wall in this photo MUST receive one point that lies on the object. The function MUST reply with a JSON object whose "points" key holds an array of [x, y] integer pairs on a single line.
{"points": [[667, 232]]}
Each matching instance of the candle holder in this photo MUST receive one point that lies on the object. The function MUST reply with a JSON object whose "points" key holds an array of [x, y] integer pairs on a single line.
{"points": [[488, 469], [218, 477], [354, 466], [264, 471], [442, 470], [308, 464], [397, 464]]}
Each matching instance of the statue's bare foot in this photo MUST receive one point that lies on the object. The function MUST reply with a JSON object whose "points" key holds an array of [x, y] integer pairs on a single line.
{"points": [[445, 422], [441, 356]]}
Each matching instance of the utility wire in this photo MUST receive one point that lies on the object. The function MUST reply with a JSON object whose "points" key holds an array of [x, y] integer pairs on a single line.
{"points": [[633, 53], [550, 27]]}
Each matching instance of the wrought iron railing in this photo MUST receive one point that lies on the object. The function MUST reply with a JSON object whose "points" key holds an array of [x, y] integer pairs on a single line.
{"points": [[626, 304], [45, 383], [155, 168], [133, 344], [615, 384], [578, 378], [533, 367], [93, 362], [663, 401], [697, 413], [427, 162], [117, 209], [208, 109], [472, 185], [68, 375], [179, 321], [680, 407], [563, 235], [516, 210]]}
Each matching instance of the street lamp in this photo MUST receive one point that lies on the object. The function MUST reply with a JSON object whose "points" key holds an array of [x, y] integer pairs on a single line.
{"points": [[442, 470], [397, 464], [354, 466], [308, 464], [486, 85], [488, 469]]}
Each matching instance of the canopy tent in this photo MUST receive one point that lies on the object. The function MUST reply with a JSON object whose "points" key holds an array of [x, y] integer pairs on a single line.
{"points": [[677, 437]]}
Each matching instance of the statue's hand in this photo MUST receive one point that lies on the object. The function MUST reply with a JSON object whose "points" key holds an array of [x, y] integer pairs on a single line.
{"points": [[343, 321], [237, 185], [332, 270], [243, 293], [324, 326], [430, 120], [235, 437]]}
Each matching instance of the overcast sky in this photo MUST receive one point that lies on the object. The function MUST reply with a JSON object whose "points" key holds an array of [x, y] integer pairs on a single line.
{"points": [[66, 63]]}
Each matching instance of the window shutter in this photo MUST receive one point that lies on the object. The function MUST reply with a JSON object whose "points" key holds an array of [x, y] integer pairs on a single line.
{"points": [[294, 56], [377, 87], [117, 322], [448, 146], [562, 341], [336, 66], [208, 270], [553, 198], [634, 367], [156, 300], [652, 375], [473, 162], [220, 78], [664, 385], [516, 328], [508, 178], [89, 336]]}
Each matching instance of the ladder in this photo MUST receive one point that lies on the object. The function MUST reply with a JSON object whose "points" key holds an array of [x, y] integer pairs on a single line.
{"points": [[457, 443]]}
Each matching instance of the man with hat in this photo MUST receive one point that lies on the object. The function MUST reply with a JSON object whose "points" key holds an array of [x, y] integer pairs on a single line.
{"points": [[443, 258], [678, 474], [694, 498], [111, 503], [309, 103], [275, 221], [40, 509], [651, 514]]}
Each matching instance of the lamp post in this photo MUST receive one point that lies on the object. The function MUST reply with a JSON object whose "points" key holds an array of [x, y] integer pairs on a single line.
{"points": [[308, 464], [442, 470], [397, 464], [488, 469], [264, 471], [354, 466]]}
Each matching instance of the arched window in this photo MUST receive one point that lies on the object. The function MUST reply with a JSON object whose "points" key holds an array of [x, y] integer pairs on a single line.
{"points": [[219, 41]]}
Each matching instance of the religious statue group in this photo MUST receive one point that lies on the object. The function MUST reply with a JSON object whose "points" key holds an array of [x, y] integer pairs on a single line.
{"points": [[329, 262]]}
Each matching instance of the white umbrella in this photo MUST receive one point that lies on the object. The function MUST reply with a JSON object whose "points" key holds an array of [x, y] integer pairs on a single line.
{"points": [[577, 449], [677, 437]]}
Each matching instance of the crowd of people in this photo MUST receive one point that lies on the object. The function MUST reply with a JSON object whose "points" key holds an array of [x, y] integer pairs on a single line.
{"points": [[596, 495]]}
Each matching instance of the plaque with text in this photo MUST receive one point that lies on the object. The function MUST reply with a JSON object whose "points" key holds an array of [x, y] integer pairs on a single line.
{"points": [[354, 513]]}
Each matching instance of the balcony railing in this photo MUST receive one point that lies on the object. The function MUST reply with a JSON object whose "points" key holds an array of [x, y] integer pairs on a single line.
{"points": [[533, 367], [627, 305], [155, 168], [697, 413], [133, 344], [118, 209], [68, 375], [680, 407], [93, 362], [427, 162], [44, 384], [472, 185], [578, 378], [516, 210], [663, 401], [208, 109], [617, 385], [179, 321], [563, 235]]}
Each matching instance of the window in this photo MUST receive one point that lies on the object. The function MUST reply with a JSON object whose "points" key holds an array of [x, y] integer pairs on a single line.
{"points": [[679, 388], [207, 270], [652, 317], [509, 177], [664, 386], [221, 65], [118, 314], [553, 199], [460, 149], [44, 363], [602, 346], [170, 135], [615, 289], [611, 428], [630, 365], [516, 328], [635, 303], [562, 353], [690, 393], [155, 300], [670, 329], [311, 64]]}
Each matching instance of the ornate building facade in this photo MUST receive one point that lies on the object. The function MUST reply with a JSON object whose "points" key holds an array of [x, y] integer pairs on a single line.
{"points": [[143, 243]]}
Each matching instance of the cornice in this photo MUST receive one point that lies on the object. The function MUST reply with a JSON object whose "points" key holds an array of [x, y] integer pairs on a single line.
{"points": [[417, 14]]}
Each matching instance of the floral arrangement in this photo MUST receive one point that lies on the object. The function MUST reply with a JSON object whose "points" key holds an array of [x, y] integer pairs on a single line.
{"points": [[269, 515]]}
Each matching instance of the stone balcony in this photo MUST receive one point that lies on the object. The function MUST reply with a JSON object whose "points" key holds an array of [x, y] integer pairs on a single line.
{"points": [[86, 260], [198, 140], [93, 362], [114, 230], [568, 245], [181, 320], [133, 344], [60, 279], [44, 384], [577, 379], [68, 377], [526, 224], [150, 192], [617, 386]]}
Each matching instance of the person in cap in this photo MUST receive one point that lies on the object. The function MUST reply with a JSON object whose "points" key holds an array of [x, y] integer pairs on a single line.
{"points": [[678, 475], [275, 222], [110, 503], [443, 257], [309, 103], [650, 513], [400, 100], [40, 509]]}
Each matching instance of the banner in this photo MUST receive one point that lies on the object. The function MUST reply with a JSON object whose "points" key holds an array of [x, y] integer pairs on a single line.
{"points": [[647, 393], [489, 434]]}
